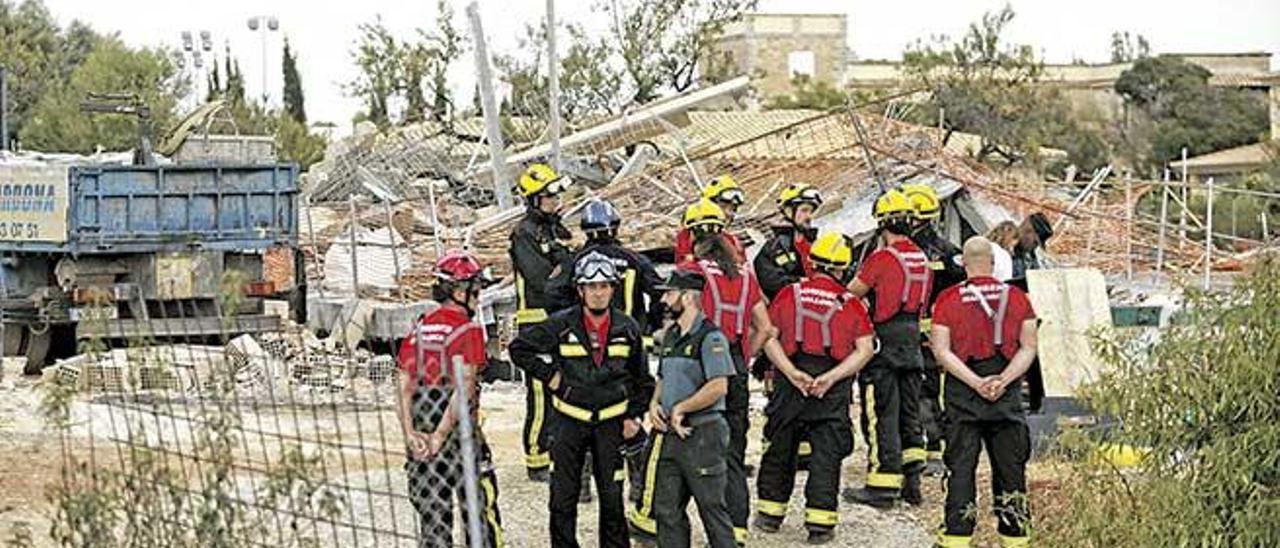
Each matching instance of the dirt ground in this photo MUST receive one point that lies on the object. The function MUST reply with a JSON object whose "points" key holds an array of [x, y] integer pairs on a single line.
{"points": [[30, 457]]}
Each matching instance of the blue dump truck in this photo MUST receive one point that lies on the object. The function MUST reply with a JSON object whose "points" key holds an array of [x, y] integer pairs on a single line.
{"points": [[122, 253]]}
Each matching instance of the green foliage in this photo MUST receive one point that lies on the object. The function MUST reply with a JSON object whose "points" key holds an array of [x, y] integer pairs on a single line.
{"points": [[38, 56], [1175, 107], [294, 101], [1126, 48], [1202, 402], [986, 86], [811, 95], [296, 143], [410, 72], [588, 87]]}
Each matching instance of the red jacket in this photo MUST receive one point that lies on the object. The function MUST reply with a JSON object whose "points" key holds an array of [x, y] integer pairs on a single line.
{"points": [[447, 332], [886, 272], [973, 326], [684, 246], [727, 302], [833, 318]]}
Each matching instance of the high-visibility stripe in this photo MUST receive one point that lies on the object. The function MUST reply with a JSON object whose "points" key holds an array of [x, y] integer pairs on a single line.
{"points": [[740, 536], [873, 449], [771, 508], [628, 287], [926, 325], [526, 316], [537, 458], [618, 351], [1014, 542], [818, 516], [648, 525], [805, 449], [953, 541], [884, 481], [914, 454], [619, 474], [644, 516], [935, 455], [491, 510], [648, 342], [573, 351], [586, 415]]}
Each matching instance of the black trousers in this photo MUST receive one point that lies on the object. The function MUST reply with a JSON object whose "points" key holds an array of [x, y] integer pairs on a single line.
{"points": [[890, 420], [737, 403], [574, 441], [933, 421], [694, 467], [433, 486], [1008, 447], [832, 441], [537, 414]]}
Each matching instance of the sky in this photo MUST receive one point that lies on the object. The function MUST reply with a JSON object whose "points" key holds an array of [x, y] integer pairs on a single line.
{"points": [[323, 33]]}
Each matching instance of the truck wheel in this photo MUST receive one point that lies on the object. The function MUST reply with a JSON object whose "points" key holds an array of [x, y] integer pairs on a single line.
{"points": [[36, 350]]}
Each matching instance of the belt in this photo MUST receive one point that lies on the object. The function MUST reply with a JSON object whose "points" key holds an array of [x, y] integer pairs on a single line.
{"points": [[526, 316], [587, 415]]}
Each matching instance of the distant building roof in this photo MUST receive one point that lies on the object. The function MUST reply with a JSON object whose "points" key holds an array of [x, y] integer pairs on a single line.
{"points": [[1232, 160]]}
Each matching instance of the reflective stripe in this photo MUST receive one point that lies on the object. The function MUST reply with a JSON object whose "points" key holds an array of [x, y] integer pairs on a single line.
{"points": [[804, 449], [648, 525], [643, 517], [618, 351], [909, 279], [573, 351], [914, 454], [740, 535], [587, 415], [619, 474], [996, 316], [537, 458], [491, 510], [628, 290], [648, 342], [719, 308], [926, 325], [821, 517], [953, 541], [526, 316], [873, 449], [823, 318], [934, 455], [884, 481], [771, 508], [441, 349], [1014, 542], [784, 259]]}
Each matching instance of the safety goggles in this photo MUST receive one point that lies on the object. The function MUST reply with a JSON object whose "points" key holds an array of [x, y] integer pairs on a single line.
{"points": [[810, 196], [596, 272], [557, 186], [732, 196]]}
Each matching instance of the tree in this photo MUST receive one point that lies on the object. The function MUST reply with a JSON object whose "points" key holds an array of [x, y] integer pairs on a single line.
{"points": [[808, 94], [1127, 48], [985, 86], [294, 103], [377, 58], [410, 73], [58, 124], [1172, 106], [588, 86]]}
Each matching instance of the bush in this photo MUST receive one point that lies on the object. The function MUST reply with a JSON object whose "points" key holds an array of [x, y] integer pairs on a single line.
{"points": [[1204, 400]]}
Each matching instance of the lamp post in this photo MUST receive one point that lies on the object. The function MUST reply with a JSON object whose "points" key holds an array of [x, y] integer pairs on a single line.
{"points": [[263, 24], [196, 45]]}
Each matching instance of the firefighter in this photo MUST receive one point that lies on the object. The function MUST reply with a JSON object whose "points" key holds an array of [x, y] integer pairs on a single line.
{"points": [[826, 338], [724, 192], [427, 411], [944, 262], [984, 336], [539, 244], [733, 302], [592, 359], [897, 280], [687, 411], [784, 260], [637, 298]]}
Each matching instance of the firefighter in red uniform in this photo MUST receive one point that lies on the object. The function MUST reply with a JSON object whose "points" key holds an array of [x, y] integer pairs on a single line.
{"points": [[984, 336], [726, 193], [826, 338], [426, 409], [733, 302], [897, 280]]}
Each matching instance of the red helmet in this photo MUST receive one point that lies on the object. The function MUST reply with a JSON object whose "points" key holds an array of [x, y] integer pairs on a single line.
{"points": [[457, 265]]}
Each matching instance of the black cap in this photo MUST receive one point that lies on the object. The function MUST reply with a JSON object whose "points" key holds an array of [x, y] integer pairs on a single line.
{"points": [[683, 278], [1041, 225]]}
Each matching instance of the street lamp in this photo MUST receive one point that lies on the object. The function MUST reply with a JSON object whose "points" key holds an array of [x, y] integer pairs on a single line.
{"points": [[262, 24], [196, 50]]}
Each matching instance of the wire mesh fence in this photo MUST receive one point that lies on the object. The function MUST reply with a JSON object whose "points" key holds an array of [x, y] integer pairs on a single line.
{"points": [[275, 439]]}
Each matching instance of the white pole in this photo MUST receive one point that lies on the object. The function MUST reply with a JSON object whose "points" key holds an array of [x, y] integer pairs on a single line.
{"points": [[1182, 215], [1164, 213], [1128, 200], [1208, 235], [493, 133], [553, 77]]}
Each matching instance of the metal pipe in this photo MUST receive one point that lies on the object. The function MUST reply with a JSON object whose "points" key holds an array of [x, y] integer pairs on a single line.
{"points": [[1208, 236], [355, 263], [395, 255], [466, 442], [1164, 215], [1130, 206], [4, 108], [1182, 215], [553, 75], [493, 133]]}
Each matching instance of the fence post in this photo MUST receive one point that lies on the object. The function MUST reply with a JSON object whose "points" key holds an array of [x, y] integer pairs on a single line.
{"points": [[553, 79], [493, 133], [355, 263], [1128, 246], [1164, 213], [1208, 235], [466, 442], [395, 252]]}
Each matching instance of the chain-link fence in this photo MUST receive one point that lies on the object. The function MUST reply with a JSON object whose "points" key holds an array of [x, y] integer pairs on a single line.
{"points": [[275, 439]]}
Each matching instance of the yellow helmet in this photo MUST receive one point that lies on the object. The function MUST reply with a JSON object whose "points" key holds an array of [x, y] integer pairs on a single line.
{"points": [[893, 205], [799, 193], [831, 250], [724, 189], [539, 178], [924, 201], [704, 215]]}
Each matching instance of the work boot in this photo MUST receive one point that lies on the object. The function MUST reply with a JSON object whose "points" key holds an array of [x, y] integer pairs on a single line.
{"points": [[911, 490], [767, 524], [540, 475], [640, 537], [821, 536], [875, 498], [934, 468]]}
